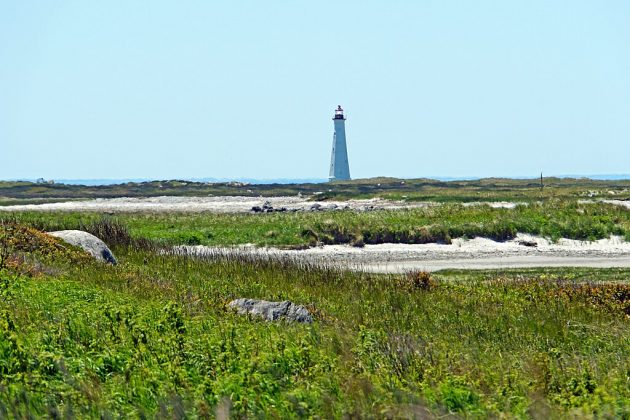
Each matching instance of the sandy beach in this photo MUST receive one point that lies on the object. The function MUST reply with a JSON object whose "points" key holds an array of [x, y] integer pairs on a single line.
{"points": [[478, 253], [222, 204]]}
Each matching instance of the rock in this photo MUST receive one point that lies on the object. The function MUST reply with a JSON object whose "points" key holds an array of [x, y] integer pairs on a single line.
{"points": [[266, 208], [315, 207], [88, 242], [525, 242], [371, 208], [332, 206], [272, 311]]}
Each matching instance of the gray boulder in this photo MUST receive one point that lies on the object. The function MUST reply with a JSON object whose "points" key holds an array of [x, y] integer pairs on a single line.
{"points": [[272, 311], [90, 243], [268, 208]]}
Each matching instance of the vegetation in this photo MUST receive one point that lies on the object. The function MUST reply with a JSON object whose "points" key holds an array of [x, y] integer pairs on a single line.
{"points": [[553, 219], [491, 189], [152, 337]]}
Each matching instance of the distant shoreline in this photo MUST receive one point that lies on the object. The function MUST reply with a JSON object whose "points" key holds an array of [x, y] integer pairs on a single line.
{"points": [[256, 181]]}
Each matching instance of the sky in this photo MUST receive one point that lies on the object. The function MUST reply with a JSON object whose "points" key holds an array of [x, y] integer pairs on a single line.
{"points": [[247, 89]]}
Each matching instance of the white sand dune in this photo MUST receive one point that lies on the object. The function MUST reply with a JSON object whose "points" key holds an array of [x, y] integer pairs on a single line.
{"points": [[239, 204], [464, 254], [476, 253], [219, 204]]}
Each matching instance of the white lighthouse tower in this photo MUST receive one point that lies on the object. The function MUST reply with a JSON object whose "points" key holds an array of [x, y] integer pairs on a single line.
{"points": [[339, 168]]}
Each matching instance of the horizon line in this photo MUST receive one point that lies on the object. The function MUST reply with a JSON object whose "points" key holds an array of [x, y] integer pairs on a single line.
{"points": [[283, 180]]}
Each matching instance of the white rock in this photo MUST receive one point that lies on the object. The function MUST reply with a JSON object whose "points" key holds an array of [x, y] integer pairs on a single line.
{"points": [[90, 243], [272, 311]]}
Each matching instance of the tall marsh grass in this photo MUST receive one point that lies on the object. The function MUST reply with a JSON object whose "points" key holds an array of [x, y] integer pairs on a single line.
{"points": [[442, 223], [152, 336]]}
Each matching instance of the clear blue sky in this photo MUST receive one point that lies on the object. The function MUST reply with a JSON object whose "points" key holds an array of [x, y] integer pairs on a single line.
{"points": [[182, 89]]}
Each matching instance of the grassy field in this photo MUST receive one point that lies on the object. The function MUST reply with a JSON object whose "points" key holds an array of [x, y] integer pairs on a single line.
{"points": [[491, 189], [152, 337], [553, 219]]}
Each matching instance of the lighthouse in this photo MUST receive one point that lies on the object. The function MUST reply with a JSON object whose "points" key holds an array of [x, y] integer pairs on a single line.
{"points": [[339, 168]]}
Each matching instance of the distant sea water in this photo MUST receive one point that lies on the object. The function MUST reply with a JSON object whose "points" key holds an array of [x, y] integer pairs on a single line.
{"points": [[96, 182]]}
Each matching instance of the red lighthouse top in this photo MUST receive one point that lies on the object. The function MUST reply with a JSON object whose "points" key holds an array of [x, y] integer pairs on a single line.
{"points": [[339, 113]]}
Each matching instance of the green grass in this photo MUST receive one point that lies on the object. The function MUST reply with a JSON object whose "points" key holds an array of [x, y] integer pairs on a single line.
{"points": [[490, 189], [554, 219], [152, 337]]}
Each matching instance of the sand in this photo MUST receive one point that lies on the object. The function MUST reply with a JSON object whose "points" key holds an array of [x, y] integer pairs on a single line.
{"points": [[236, 204], [478, 253], [240, 204], [461, 254]]}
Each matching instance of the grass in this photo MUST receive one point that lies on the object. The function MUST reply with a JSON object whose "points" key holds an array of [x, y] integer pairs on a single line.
{"points": [[490, 189], [554, 219], [152, 337]]}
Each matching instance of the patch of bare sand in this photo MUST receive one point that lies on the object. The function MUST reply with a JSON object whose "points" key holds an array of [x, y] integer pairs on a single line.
{"points": [[622, 203], [218, 204], [476, 253]]}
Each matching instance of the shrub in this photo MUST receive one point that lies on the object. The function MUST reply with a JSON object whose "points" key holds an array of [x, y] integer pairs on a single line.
{"points": [[417, 280], [109, 231], [457, 397]]}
